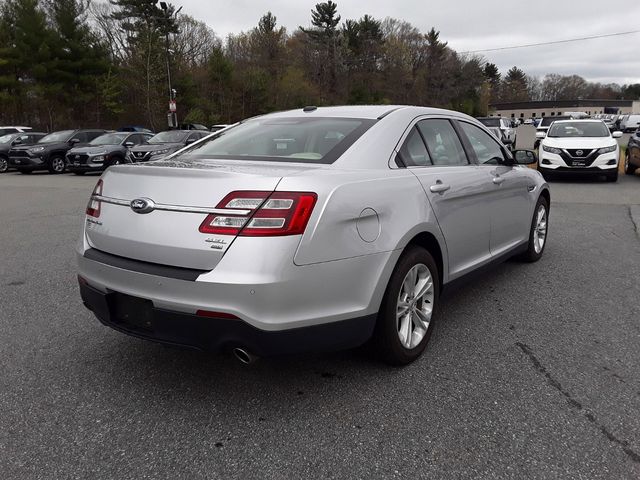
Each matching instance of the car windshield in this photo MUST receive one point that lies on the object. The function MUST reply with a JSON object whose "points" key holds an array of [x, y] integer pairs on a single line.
{"points": [[295, 139], [8, 138], [546, 121], [490, 122], [57, 137], [109, 139], [170, 136], [579, 129]]}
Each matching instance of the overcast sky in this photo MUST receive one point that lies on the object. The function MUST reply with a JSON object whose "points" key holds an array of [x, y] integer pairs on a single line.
{"points": [[478, 24]]}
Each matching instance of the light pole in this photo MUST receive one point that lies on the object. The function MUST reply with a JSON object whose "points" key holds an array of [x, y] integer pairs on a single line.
{"points": [[172, 117]]}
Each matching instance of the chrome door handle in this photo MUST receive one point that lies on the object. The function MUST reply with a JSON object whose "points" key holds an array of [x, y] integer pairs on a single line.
{"points": [[498, 180], [439, 188]]}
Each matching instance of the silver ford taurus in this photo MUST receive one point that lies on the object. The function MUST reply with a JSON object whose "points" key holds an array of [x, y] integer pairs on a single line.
{"points": [[312, 229]]}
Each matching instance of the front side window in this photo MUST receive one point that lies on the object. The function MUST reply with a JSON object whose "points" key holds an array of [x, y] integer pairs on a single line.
{"points": [[414, 152], [442, 142], [485, 147]]}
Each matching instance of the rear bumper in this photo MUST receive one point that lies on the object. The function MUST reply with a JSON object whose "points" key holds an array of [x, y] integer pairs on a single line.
{"points": [[214, 334]]}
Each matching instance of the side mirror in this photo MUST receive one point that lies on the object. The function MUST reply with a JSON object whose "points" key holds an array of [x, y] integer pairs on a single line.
{"points": [[540, 135], [525, 157], [73, 141], [190, 141], [17, 141], [616, 134], [129, 144]]}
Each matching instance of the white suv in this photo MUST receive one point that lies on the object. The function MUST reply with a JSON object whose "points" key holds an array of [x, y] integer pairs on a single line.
{"points": [[579, 146]]}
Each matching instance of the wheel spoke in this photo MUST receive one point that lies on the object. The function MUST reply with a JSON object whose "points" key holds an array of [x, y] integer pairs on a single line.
{"points": [[424, 286], [403, 308], [405, 330], [423, 318]]}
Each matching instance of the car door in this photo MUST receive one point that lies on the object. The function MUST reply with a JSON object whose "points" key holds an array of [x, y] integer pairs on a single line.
{"points": [[455, 189], [510, 200]]}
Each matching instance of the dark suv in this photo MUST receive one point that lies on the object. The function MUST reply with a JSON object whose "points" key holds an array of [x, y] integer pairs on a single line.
{"points": [[632, 156], [104, 151], [10, 140], [49, 152]]}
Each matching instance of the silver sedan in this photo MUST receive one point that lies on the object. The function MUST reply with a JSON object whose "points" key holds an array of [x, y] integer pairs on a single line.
{"points": [[308, 230]]}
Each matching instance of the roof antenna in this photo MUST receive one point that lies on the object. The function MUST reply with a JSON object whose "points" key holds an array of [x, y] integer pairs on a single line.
{"points": [[309, 108]]}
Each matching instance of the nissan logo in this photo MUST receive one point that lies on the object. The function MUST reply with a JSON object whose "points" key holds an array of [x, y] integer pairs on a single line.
{"points": [[579, 153], [142, 205]]}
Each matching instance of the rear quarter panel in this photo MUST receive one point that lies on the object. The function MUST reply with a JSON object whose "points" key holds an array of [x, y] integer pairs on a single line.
{"points": [[361, 213]]}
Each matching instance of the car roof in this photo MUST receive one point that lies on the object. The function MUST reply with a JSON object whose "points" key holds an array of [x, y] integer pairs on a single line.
{"points": [[580, 120], [363, 111]]}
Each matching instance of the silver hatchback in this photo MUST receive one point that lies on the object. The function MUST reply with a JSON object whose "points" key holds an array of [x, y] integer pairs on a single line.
{"points": [[312, 229]]}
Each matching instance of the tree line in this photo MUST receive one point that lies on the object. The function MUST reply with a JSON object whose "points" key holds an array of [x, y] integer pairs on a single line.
{"points": [[71, 63]]}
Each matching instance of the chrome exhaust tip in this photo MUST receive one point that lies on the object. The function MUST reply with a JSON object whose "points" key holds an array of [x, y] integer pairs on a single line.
{"points": [[243, 356]]}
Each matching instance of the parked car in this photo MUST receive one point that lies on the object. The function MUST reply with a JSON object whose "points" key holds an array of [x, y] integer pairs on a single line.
{"points": [[104, 151], [543, 127], [312, 229], [632, 155], [630, 123], [528, 121], [6, 130], [14, 139], [49, 153], [193, 126], [579, 146], [507, 132], [165, 143], [135, 128]]}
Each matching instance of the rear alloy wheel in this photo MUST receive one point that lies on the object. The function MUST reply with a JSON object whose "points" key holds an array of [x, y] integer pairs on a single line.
{"points": [[56, 165], [629, 169], [406, 317], [538, 232], [4, 165]]}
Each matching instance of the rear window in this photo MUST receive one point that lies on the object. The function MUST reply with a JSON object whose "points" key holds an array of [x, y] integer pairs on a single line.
{"points": [[490, 122], [306, 140]]}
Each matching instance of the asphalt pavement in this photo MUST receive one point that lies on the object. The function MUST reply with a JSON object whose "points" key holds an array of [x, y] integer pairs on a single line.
{"points": [[533, 370]]}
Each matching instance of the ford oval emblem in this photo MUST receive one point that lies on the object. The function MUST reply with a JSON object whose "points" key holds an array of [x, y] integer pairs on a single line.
{"points": [[142, 205]]}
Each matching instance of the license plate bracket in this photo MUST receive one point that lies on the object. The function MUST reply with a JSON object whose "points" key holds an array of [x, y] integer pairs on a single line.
{"points": [[132, 312]]}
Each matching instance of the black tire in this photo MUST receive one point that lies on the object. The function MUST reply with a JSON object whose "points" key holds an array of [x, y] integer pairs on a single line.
{"points": [[386, 340], [612, 177], [56, 165], [629, 169], [25, 171], [79, 172], [531, 254], [4, 164]]}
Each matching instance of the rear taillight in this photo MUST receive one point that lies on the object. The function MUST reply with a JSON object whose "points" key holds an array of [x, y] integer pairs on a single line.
{"points": [[271, 214], [93, 207]]}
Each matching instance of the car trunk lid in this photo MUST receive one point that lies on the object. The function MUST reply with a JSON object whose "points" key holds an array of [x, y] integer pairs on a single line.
{"points": [[183, 195]]}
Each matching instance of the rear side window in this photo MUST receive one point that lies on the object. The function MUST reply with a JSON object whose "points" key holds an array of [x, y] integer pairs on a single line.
{"points": [[286, 139], [442, 142], [484, 145], [414, 152]]}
